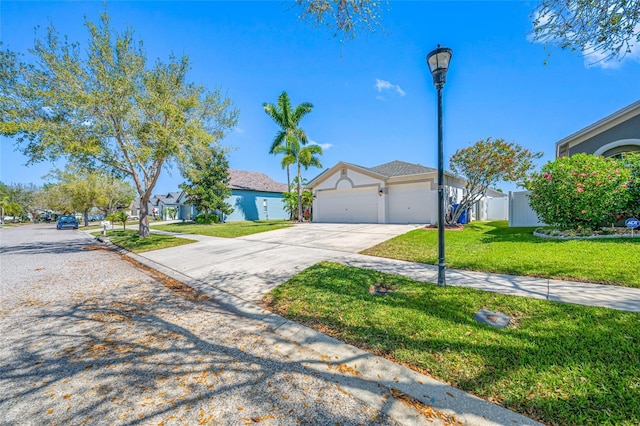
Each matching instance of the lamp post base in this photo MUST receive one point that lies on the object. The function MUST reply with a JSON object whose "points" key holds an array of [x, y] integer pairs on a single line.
{"points": [[441, 275]]}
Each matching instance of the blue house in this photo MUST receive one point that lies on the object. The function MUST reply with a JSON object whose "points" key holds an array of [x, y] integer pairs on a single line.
{"points": [[254, 196]]}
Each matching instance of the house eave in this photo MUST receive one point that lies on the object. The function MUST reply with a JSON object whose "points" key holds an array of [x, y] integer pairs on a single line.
{"points": [[599, 126], [329, 172]]}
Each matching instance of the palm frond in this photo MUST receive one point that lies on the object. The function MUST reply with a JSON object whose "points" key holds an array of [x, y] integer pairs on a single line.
{"points": [[273, 112], [300, 111], [280, 137], [300, 135], [288, 160], [284, 103]]}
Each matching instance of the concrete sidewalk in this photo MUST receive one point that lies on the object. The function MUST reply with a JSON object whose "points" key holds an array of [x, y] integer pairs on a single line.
{"points": [[607, 296]]}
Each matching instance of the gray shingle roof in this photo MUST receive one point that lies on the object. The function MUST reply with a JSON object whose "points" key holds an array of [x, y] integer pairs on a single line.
{"points": [[254, 181], [238, 179], [401, 168]]}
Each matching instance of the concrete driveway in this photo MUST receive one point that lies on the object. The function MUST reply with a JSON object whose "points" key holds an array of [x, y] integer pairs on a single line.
{"points": [[347, 237], [250, 266]]}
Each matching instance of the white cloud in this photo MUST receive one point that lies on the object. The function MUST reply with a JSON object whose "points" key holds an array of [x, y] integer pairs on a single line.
{"points": [[600, 59], [239, 130], [324, 146], [386, 85]]}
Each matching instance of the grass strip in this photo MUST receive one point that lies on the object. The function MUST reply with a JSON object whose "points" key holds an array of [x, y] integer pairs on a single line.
{"points": [[131, 241], [494, 247], [225, 230], [557, 363]]}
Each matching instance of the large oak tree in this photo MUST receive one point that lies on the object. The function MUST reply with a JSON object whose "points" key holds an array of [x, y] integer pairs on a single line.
{"points": [[106, 107]]}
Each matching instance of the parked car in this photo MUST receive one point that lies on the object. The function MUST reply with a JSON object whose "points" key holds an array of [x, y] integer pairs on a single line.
{"points": [[12, 219], [67, 222]]}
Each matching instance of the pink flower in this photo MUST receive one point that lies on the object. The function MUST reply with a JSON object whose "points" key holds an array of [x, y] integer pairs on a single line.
{"points": [[547, 176], [580, 190], [583, 174], [618, 216], [584, 211]]}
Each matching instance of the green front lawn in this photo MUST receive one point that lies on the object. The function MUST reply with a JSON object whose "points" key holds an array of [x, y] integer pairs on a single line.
{"points": [[129, 240], [226, 230], [494, 247], [558, 363]]}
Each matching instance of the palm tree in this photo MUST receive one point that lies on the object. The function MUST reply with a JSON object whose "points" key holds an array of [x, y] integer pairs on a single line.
{"points": [[288, 119], [306, 157]]}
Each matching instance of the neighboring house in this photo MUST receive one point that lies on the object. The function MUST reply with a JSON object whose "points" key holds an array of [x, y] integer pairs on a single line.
{"points": [[395, 192], [165, 204], [254, 196], [134, 208], [610, 137]]}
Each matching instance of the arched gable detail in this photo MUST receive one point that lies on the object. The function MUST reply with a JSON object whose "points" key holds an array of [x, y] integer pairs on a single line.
{"points": [[608, 147]]}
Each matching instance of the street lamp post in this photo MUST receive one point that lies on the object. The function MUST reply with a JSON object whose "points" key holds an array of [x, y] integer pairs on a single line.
{"points": [[438, 61]]}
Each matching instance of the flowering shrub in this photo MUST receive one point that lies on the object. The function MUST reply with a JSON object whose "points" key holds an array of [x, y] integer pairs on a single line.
{"points": [[631, 160], [581, 191]]}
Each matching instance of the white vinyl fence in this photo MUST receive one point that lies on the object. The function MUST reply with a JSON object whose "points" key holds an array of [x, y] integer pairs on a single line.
{"points": [[520, 213], [497, 208]]}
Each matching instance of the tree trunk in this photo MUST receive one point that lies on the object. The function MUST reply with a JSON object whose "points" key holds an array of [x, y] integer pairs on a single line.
{"points": [[288, 178], [299, 194], [143, 229], [86, 217]]}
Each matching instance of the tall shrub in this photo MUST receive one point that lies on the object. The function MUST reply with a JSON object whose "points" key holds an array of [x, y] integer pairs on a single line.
{"points": [[631, 160], [581, 191]]}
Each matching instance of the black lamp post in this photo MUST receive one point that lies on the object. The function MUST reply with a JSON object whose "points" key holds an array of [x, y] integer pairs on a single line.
{"points": [[438, 61]]}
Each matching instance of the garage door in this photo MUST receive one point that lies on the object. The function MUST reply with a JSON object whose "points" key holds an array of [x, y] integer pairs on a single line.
{"points": [[411, 204], [348, 206]]}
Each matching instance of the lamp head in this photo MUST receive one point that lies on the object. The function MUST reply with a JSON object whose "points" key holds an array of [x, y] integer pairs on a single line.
{"points": [[438, 61]]}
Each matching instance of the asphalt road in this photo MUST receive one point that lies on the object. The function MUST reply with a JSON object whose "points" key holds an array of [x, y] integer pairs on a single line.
{"points": [[87, 337]]}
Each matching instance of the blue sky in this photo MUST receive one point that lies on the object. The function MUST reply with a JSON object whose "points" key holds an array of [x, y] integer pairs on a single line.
{"points": [[373, 97]]}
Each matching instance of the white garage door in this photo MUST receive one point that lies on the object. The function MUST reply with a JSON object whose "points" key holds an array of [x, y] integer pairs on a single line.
{"points": [[348, 206], [411, 204]]}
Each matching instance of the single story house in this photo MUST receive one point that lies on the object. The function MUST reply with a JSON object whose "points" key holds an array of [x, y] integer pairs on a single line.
{"points": [[161, 205], [254, 196], [167, 206], [610, 137], [395, 192]]}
